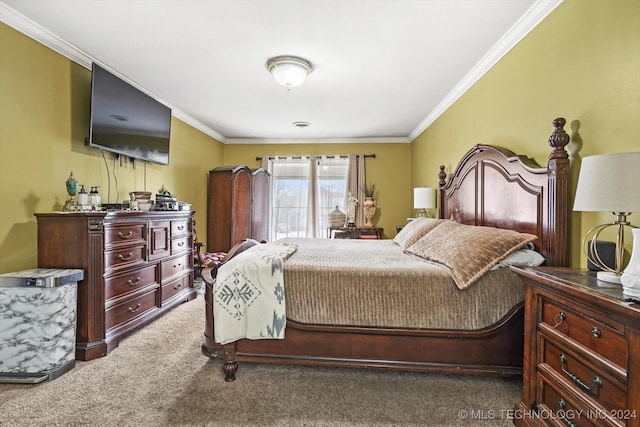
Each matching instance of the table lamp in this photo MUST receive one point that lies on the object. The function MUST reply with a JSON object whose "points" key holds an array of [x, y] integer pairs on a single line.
{"points": [[424, 198], [609, 183]]}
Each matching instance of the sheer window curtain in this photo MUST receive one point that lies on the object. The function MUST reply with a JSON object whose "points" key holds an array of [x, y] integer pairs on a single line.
{"points": [[305, 189], [293, 194]]}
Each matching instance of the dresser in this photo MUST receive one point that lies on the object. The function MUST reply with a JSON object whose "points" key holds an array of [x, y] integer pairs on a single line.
{"points": [[238, 206], [137, 266], [582, 351]]}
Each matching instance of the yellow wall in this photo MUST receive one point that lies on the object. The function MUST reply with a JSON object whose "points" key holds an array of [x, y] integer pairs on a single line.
{"points": [[389, 171], [44, 118], [581, 63]]}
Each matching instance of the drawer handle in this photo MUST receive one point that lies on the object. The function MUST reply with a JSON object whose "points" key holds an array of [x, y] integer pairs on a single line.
{"points": [[561, 317], [125, 258], [180, 244], [176, 287], [122, 236], [133, 310], [596, 332], [180, 227], [597, 382], [563, 407], [130, 283]]}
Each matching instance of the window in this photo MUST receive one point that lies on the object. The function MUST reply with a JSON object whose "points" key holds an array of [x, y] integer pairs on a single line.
{"points": [[305, 190]]}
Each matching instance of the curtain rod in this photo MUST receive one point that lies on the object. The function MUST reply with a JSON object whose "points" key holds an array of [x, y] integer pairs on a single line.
{"points": [[329, 157]]}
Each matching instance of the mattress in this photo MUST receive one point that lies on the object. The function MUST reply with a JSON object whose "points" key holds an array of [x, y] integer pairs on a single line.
{"points": [[373, 283]]}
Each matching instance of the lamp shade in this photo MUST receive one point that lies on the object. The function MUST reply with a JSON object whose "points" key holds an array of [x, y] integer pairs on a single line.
{"points": [[424, 198], [609, 183], [289, 71]]}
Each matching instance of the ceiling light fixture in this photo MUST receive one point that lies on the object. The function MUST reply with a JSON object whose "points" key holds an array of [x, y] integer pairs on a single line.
{"points": [[289, 71], [301, 124]]}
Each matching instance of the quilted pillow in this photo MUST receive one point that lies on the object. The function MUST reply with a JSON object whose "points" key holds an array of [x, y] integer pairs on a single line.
{"points": [[416, 229], [469, 251]]}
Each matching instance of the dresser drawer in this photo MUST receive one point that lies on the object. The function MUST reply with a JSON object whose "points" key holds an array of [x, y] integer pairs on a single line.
{"points": [[588, 379], [130, 282], [174, 287], [179, 227], [129, 233], [180, 244], [124, 257], [603, 336], [174, 266], [558, 406], [128, 310]]}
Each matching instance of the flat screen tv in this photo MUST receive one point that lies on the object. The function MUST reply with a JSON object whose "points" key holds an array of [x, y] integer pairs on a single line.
{"points": [[127, 121]]}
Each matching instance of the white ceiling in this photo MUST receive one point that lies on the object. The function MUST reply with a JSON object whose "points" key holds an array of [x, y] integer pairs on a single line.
{"points": [[383, 69]]}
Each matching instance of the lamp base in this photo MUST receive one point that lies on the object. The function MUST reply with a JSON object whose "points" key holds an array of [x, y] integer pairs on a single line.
{"points": [[423, 214], [631, 292], [607, 279]]}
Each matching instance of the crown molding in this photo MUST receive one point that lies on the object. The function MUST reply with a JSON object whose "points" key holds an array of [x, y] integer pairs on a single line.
{"points": [[26, 26], [536, 13], [267, 141], [43, 36], [527, 22]]}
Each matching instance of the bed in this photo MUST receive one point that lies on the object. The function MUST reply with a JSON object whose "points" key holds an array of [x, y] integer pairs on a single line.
{"points": [[473, 324]]}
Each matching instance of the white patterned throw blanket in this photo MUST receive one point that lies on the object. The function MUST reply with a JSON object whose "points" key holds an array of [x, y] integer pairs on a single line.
{"points": [[249, 299]]}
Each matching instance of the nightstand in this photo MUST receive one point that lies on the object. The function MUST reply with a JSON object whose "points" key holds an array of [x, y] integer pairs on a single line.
{"points": [[356, 233], [582, 351]]}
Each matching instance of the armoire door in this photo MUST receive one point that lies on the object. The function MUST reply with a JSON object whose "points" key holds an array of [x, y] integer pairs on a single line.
{"points": [[229, 207]]}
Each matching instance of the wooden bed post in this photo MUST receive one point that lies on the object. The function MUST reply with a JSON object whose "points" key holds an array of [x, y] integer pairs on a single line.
{"points": [[557, 224], [442, 181]]}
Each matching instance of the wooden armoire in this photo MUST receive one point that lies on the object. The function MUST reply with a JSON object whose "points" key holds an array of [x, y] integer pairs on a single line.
{"points": [[238, 206]]}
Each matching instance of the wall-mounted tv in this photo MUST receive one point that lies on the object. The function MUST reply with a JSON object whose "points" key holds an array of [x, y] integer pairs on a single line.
{"points": [[127, 121]]}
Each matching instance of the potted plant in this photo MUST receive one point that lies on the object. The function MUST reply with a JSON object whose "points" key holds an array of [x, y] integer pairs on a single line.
{"points": [[369, 191]]}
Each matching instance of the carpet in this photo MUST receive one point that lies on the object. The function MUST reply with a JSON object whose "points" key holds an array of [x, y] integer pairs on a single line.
{"points": [[159, 377]]}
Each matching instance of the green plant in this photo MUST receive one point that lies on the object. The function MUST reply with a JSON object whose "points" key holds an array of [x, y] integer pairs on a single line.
{"points": [[369, 191]]}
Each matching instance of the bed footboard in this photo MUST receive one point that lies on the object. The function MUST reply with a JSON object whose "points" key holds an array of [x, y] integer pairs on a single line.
{"points": [[496, 350]]}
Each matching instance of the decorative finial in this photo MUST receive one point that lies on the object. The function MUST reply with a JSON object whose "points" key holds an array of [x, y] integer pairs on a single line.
{"points": [[442, 175], [558, 140]]}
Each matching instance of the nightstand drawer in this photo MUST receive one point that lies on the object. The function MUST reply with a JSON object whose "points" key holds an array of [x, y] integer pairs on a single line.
{"points": [[588, 379], [558, 405], [588, 329]]}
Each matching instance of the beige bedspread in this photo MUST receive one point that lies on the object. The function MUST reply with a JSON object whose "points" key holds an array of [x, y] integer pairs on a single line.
{"points": [[374, 283]]}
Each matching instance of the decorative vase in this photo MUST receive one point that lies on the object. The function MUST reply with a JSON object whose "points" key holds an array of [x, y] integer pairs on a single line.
{"points": [[72, 189], [337, 218], [369, 206], [630, 278]]}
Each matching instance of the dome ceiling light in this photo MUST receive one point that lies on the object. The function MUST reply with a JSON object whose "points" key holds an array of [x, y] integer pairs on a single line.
{"points": [[289, 71]]}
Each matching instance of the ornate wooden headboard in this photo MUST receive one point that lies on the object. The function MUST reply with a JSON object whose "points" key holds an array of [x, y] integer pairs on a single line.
{"points": [[494, 187]]}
